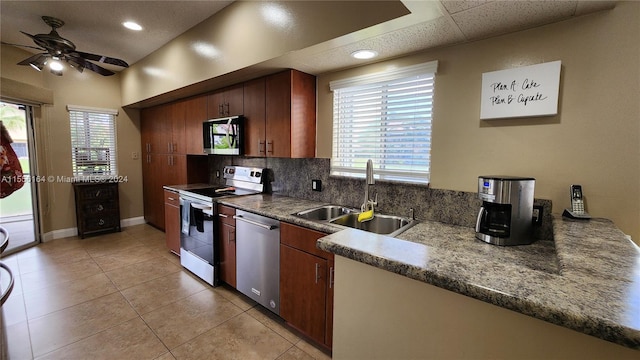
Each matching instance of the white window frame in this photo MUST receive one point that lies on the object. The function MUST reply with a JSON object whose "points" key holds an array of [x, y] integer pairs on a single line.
{"points": [[379, 122], [87, 125]]}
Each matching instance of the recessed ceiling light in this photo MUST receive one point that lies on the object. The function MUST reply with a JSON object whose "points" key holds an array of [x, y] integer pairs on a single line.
{"points": [[364, 54], [132, 25]]}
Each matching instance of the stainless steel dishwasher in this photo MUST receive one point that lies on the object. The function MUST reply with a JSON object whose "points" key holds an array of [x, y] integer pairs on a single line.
{"points": [[258, 258]]}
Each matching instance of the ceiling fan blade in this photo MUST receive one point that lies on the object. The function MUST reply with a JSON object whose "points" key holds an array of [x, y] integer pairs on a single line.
{"points": [[29, 35], [34, 58], [103, 59], [82, 63], [26, 46]]}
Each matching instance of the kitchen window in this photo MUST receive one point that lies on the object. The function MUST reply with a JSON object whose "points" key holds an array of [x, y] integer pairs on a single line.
{"points": [[93, 142], [385, 117]]}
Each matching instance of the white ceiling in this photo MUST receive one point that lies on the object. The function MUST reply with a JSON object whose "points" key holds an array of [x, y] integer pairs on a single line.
{"points": [[95, 26]]}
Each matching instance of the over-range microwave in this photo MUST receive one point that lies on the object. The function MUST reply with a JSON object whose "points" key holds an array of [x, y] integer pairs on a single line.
{"points": [[223, 136]]}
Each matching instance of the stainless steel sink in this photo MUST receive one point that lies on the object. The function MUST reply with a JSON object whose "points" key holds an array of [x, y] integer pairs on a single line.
{"points": [[380, 224], [339, 215], [324, 213]]}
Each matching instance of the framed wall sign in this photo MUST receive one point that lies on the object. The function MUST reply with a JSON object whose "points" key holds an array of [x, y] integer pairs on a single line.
{"points": [[521, 92]]}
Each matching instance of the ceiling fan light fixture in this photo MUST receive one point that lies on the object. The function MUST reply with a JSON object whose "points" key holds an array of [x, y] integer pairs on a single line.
{"points": [[132, 25], [56, 65], [364, 54], [57, 49]]}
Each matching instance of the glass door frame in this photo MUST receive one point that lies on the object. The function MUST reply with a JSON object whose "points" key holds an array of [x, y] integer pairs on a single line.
{"points": [[33, 174]]}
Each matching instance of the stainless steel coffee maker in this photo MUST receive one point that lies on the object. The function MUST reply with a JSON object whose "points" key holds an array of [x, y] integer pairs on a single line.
{"points": [[506, 214]]}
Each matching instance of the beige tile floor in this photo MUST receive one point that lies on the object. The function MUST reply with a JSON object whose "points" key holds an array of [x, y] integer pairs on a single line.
{"points": [[124, 296]]}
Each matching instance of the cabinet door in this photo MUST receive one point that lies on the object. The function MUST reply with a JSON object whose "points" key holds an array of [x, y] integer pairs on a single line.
{"points": [[176, 125], [159, 170], [303, 287], [254, 112], [150, 173], [227, 236], [228, 254], [195, 115], [234, 100], [215, 104], [156, 129], [225, 102], [172, 221], [303, 115], [328, 338], [175, 170], [278, 114]]}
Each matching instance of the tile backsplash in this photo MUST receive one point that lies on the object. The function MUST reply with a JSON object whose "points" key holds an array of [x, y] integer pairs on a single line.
{"points": [[292, 177]]}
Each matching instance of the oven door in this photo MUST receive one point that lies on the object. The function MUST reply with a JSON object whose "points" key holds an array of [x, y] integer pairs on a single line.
{"points": [[197, 238]]}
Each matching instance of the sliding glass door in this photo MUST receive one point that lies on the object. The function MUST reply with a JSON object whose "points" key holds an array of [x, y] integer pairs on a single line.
{"points": [[19, 210]]}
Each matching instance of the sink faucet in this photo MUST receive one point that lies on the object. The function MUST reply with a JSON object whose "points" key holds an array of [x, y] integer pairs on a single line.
{"points": [[368, 204]]}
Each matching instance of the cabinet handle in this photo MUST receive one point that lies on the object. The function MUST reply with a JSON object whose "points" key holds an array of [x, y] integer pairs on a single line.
{"points": [[232, 238], [101, 222], [100, 207], [330, 277], [175, 147], [172, 199], [223, 215], [220, 109], [261, 147], [270, 142], [227, 111], [317, 272]]}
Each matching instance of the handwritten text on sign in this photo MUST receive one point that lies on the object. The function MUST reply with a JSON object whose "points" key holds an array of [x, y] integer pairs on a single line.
{"points": [[524, 91]]}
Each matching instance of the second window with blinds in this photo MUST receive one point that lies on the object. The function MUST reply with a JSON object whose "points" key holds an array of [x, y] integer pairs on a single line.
{"points": [[93, 143], [385, 117]]}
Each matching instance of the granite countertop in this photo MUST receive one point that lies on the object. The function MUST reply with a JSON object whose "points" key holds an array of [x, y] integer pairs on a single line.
{"points": [[586, 279]]}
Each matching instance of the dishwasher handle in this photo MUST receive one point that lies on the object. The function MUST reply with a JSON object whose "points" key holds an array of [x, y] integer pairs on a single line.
{"points": [[264, 226]]}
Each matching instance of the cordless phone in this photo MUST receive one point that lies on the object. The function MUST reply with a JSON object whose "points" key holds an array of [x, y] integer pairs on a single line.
{"points": [[577, 203], [577, 210]]}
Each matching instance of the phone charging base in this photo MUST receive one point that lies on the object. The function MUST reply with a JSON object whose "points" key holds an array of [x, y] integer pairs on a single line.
{"points": [[574, 215]]}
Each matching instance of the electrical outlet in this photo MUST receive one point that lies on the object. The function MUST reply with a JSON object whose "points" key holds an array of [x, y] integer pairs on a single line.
{"points": [[135, 155], [316, 185]]}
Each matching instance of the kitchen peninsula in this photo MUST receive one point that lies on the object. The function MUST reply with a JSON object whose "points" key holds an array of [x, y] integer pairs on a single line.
{"points": [[402, 297]]}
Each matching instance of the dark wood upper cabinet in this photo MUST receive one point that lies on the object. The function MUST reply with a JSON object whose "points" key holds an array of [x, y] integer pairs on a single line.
{"points": [[226, 102], [290, 113], [254, 112], [195, 115]]}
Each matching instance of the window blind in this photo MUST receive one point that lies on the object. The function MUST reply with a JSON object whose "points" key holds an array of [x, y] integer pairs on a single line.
{"points": [[386, 119], [93, 142]]}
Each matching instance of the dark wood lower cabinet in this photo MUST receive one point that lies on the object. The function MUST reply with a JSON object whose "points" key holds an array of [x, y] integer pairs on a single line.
{"points": [[227, 232], [172, 221], [306, 288]]}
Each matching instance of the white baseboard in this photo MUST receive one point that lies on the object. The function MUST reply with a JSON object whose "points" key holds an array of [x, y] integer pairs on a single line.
{"points": [[59, 234], [132, 221], [63, 233]]}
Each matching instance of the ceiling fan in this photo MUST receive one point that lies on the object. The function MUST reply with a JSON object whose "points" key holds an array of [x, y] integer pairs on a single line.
{"points": [[57, 48]]}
